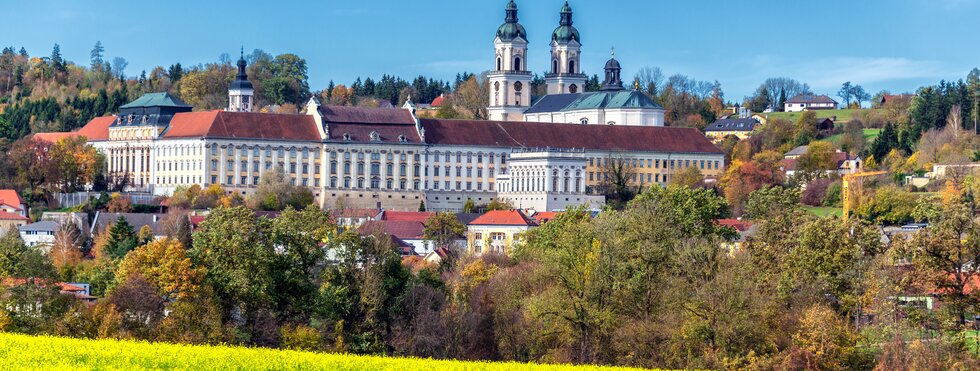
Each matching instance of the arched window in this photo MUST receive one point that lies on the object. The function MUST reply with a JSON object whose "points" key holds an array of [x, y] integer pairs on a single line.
{"points": [[498, 64], [571, 66], [554, 66], [573, 88], [517, 63], [584, 120]]}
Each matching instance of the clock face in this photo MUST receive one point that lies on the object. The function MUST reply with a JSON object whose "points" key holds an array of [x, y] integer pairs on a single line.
{"points": [[518, 86]]}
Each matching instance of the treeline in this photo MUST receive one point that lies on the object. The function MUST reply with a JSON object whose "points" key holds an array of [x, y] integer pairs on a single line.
{"points": [[658, 284]]}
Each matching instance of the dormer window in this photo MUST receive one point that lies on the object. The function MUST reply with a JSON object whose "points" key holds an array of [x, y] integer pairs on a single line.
{"points": [[375, 137], [347, 136], [401, 138], [584, 120]]}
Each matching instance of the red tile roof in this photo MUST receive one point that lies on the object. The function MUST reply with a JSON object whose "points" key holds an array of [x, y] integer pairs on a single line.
{"points": [[406, 216], [597, 137], [97, 129], [363, 115], [361, 132], [69, 287], [738, 225], [53, 137], [438, 101], [11, 216], [246, 125], [543, 216], [503, 217], [11, 198]]}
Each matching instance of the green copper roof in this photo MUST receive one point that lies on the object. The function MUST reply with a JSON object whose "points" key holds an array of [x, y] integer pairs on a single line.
{"points": [[616, 99], [511, 31], [565, 31], [564, 34], [162, 99]]}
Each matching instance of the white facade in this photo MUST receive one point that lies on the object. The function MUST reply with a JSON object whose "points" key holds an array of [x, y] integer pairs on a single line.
{"points": [[510, 81], [547, 181], [566, 75], [599, 116]]}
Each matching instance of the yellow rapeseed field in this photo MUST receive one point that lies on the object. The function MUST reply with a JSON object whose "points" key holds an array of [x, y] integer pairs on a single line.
{"points": [[23, 352]]}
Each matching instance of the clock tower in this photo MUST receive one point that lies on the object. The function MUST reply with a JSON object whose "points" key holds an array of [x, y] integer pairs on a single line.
{"points": [[565, 76], [240, 92], [510, 81]]}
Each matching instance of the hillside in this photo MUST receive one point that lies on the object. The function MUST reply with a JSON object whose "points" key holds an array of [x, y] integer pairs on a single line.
{"points": [[843, 115], [23, 352]]}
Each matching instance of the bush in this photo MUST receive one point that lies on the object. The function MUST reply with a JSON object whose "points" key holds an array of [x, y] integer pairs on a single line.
{"points": [[815, 192], [300, 337]]}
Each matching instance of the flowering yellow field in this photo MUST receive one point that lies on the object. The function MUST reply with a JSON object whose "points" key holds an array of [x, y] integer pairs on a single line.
{"points": [[23, 352]]}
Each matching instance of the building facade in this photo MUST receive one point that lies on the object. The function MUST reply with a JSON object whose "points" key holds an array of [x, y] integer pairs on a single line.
{"points": [[545, 179], [806, 102]]}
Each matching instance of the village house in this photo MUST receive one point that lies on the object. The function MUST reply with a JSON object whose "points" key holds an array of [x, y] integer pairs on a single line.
{"points": [[809, 102], [497, 231]]}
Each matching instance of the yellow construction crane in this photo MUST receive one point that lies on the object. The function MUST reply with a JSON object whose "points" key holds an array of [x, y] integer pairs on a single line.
{"points": [[858, 180]]}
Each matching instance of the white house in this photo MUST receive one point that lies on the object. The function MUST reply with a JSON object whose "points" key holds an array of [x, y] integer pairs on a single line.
{"points": [[806, 102], [40, 234]]}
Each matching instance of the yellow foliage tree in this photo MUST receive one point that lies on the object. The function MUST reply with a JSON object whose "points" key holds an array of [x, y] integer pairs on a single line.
{"points": [[164, 264]]}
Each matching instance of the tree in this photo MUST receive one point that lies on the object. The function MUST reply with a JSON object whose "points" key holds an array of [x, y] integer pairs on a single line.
{"points": [[885, 142], [770, 201], [890, 205], [165, 266], [97, 56], [299, 237], [860, 96], [121, 239], [690, 177], [574, 306], [846, 92], [443, 228], [119, 65], [66, 250], [650, 80], [233, 247], [617, 175], [57, 63], [819, 157], [275, 192], [469, 206], [946, 252], [359, 292], [473, 96], [782, 86]]}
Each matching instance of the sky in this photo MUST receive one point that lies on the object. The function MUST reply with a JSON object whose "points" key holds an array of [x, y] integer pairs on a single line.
{"points": [[895, 45]]}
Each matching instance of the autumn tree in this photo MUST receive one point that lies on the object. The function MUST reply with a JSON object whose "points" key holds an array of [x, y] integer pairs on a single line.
{"points": [[472, 96], [947, 251], [165, 266], [66, 250], [443, 228]]}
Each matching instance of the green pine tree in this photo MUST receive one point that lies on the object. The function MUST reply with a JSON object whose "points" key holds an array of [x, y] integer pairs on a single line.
{"points": [[122, 239]]}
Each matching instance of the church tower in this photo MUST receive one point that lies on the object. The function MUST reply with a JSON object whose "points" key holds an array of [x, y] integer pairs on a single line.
{"points": [[240, 92], [566, 74], [613, 82], [510, 81]]}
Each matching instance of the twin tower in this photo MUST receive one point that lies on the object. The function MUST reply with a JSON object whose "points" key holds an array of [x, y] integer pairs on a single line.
{"points": [[510, 80]]}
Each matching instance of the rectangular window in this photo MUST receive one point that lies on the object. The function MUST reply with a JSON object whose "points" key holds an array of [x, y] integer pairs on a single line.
{"points": [[255, 180], [230, 180], [459, 185], [243, 181], [469, 172], [306, 168]]}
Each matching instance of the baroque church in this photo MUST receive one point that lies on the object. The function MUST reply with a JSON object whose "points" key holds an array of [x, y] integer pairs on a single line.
{"points": [[566, 100]]}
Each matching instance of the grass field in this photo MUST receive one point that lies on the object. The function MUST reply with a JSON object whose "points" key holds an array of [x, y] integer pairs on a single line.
{"points": [[869, 136], [843, 115], [824, 211], [23, 352]]}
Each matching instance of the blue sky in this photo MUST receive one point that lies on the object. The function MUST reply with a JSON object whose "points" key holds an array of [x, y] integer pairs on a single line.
{"points": [[897, 45]]}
